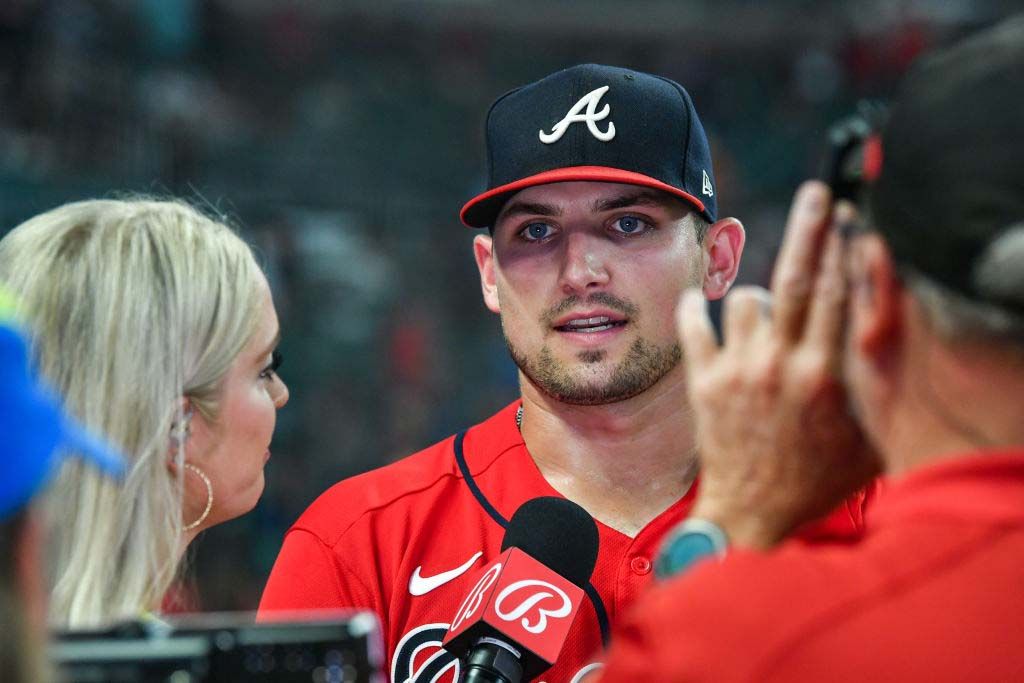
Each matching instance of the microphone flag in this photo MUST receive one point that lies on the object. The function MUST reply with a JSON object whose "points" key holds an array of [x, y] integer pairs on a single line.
{"points": [[521, 602]]}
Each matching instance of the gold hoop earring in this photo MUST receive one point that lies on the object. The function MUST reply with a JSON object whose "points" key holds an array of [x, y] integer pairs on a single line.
{"points": [[209, 497]]}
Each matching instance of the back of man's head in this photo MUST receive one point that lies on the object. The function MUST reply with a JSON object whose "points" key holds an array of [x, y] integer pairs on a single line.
{"points": [[950, 198]]}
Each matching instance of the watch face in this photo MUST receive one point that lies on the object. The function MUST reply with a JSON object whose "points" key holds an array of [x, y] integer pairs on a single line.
{"points": [[684, 549]]}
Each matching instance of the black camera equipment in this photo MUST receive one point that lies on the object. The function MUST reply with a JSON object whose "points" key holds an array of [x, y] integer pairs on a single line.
{"points": [[224, 648]]}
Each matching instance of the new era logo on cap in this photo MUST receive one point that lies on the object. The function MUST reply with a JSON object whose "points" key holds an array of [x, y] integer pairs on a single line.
{"points": [[597, 123]]}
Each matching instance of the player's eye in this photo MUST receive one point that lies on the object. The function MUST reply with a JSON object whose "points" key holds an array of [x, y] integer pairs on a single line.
{"points": [[536, 231], [630, 225]]}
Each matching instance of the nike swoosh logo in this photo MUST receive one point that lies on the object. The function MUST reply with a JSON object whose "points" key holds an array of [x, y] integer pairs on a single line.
{"points": [[421, 585]]}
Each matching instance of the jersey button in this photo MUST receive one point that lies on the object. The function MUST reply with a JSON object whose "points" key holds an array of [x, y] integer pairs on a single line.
{"points": [[640, 565]]}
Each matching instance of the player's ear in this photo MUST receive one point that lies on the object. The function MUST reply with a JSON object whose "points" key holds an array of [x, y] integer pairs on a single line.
{"points": [[723, 244], [483, 251]]}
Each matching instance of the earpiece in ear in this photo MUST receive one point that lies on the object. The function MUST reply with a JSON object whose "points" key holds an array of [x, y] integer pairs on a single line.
{"points": [[180, 431]]}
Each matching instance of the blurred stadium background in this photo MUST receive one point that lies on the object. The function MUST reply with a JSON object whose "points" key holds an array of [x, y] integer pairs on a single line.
{"points": [[342, 137]]}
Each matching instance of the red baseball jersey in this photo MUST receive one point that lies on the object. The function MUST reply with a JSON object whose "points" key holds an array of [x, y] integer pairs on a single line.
{"points": [[933, 592], [407, 541]]}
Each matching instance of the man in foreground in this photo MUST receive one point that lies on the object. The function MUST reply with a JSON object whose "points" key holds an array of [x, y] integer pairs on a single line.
{"points": [[38, 437], [933, 363], [602, 210]]}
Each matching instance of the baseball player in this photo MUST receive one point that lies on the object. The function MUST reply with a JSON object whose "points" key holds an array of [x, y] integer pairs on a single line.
{"points": [[601, 209]]}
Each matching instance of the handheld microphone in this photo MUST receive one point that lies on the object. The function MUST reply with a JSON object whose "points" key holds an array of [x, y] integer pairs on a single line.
{"points": [[513, 623]]}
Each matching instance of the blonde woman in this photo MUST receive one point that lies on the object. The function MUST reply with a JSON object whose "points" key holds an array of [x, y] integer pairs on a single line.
{"points": [[157, 326]]}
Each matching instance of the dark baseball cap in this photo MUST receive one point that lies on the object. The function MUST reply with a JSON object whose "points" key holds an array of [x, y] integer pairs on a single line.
{"points": [[596, 123], [952, 176]]}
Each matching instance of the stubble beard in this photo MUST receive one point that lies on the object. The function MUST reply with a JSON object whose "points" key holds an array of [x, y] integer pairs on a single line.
{"points": [[641, 368]]}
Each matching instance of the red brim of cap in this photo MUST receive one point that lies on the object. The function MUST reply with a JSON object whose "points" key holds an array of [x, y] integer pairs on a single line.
{"points": [[482, 210]]}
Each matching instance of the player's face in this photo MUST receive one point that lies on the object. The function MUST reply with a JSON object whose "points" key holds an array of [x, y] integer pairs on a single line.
{"points": [[233, 449], [586, 277]]}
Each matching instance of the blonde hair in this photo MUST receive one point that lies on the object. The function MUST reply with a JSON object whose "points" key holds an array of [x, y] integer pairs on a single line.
{"points": [[133, 305]]}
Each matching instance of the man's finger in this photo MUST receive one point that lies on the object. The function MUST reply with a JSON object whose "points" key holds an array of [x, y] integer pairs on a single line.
{"points": [[827, 313], [744, 309], [794, 274], [696, 333]]}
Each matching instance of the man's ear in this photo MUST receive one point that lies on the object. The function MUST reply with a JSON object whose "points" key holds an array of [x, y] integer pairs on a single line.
{"points": [[876, 297], [483, 250], [723, 243]]}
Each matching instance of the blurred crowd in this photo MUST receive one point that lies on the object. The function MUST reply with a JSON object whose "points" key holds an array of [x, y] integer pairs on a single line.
{"points": [[341, 142]]}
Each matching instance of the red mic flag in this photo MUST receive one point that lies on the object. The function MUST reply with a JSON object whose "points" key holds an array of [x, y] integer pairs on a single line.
{"points": [[521, 602]]}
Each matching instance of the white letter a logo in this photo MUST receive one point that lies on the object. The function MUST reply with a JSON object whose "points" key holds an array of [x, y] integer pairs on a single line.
{"points": [[591, 117]]}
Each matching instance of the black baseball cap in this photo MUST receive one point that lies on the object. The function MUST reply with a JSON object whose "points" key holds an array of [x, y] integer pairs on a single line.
{"points": [[597, 123], [952, 176]]}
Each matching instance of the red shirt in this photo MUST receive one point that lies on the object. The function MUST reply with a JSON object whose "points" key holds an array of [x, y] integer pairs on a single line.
{"points": [[934, 592], [407, 541]]}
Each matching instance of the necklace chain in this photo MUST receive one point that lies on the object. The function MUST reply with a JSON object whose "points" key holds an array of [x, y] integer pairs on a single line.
{"points": [[519, 418]]}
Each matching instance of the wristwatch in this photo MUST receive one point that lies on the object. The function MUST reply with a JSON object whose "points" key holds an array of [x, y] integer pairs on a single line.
{"points": [[693, 540]]}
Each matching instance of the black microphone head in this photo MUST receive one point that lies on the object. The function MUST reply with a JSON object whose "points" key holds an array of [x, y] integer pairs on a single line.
{"points": [[558, 533]]}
